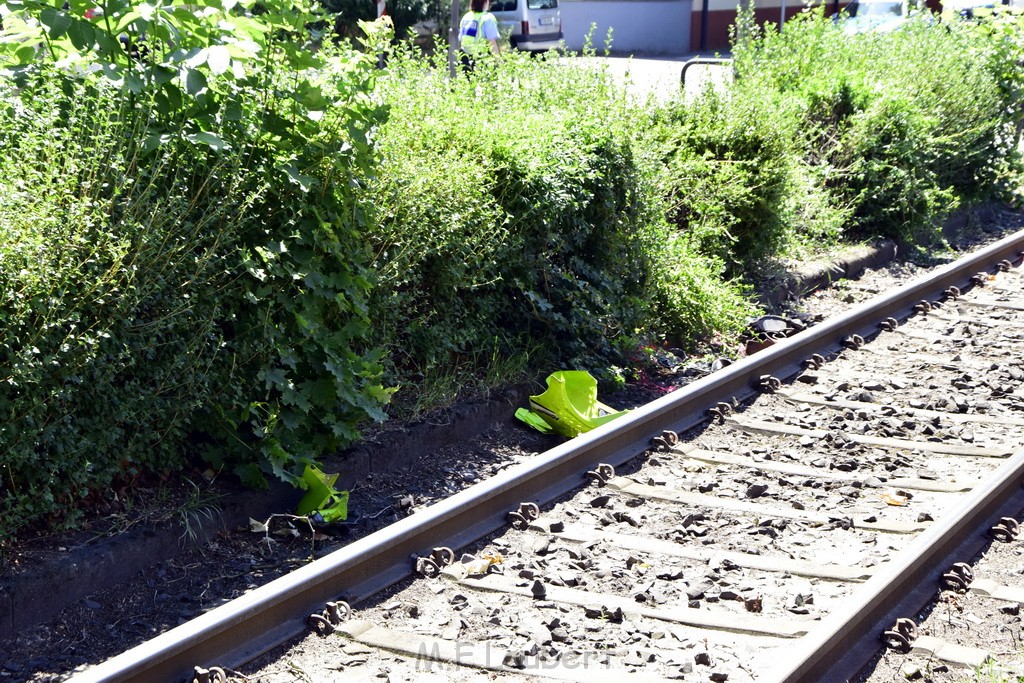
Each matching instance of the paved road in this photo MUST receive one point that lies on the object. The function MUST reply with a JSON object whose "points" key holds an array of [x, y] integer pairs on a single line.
{"points": [[659, 76]]}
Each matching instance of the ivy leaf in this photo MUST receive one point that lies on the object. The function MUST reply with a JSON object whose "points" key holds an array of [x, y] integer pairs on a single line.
{"points": [[279, 461], [55, 21], [195, 81], [211, 140], [251, 476], [275, 377], [218, 59], [297, 399], [321, 392], [380, 393]]}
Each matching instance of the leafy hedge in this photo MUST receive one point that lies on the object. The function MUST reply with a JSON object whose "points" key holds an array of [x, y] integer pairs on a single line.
{"points": [[182, 264], [825, 136], [520, 208]]}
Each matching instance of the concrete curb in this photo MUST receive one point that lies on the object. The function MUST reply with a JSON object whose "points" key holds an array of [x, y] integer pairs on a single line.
{"points": [[821, 275]]}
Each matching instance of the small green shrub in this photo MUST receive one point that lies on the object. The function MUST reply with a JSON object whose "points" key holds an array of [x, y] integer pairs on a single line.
{"points": [[693, 301], [508, 203], [731, 172]]}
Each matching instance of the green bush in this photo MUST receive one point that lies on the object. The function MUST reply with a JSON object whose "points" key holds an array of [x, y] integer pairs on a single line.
{"points": [[899, 127], [692, 300], [518, 203], [732, 171], [183, 266]]}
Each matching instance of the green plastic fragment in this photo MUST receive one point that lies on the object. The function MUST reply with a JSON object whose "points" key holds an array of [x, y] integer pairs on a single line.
{"points": [[569, 407], [534, 420], [321, 498]]}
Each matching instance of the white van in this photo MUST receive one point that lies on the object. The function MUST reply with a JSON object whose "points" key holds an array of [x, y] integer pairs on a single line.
{"points": [[530, 24], [878, 16]]}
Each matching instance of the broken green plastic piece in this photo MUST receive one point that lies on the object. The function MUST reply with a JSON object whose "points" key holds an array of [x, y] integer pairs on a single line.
{"points": [[569, 407], [534, 420], [321, 497]]}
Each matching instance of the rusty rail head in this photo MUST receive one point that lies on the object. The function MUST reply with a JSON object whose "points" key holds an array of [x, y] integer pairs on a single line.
{"points": [[276, 612]]}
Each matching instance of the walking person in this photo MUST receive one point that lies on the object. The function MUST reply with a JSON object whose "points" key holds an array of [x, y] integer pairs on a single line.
{"points": [[478, 31]]}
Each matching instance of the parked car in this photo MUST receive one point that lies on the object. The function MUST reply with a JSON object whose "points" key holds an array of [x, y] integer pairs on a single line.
{"points": [[880, 16], [970, 9], [532, 25]]}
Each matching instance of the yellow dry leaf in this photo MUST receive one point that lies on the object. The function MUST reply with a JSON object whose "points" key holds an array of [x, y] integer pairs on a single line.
{"points": [[893, 499]]}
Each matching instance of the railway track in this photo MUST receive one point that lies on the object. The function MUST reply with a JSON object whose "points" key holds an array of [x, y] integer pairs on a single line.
{"points": [[783, 519]]}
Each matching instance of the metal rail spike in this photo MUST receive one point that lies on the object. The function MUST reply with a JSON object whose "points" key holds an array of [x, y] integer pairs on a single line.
{"points": [[814, 362], [923, 306], [889, 324], [952, 292], [333, 614], [602, 474], [521, 518], [1006, 529], [853, 342], [721, 411], [767, 384], [666, 441], [214, 674]]}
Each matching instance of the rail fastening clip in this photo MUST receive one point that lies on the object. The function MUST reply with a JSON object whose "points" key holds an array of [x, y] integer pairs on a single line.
{"points": [[902, 635]]}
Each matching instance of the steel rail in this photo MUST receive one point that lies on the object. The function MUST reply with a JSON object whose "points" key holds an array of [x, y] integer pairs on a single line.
{"points": [[847, 639], [271, 615]]}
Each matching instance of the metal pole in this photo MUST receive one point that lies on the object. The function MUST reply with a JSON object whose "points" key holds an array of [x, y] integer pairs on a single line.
{"points": [[453, 37], [704, 25]]}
